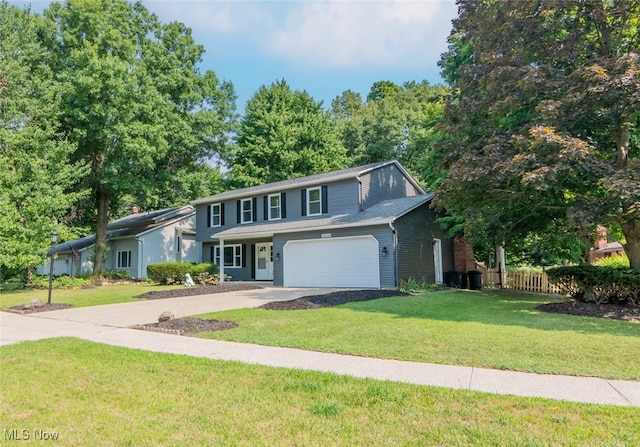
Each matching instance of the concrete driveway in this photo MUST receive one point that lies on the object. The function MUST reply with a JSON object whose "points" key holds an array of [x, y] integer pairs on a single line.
{"points": [[83, 321]]}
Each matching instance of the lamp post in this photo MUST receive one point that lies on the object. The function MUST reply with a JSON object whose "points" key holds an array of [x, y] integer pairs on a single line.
{"points": [[54, 238]]}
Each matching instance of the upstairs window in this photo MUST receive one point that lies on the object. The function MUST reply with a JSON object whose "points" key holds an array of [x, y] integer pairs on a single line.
{"points": [[274, 207], [246, 211], [216, 215], [314, 201]]}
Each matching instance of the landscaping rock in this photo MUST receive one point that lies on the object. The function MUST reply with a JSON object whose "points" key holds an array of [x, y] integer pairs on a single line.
{"points": [[166, 316], [33, 304]]}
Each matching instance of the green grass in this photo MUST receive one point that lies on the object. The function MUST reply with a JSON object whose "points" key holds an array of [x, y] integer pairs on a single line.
{"points": [[92, 394], [92, 296], [483, 329]]}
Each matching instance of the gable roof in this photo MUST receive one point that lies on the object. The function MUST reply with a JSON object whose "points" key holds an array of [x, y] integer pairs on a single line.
{"points": [[135, 224], [383, 213], [310, 180]]}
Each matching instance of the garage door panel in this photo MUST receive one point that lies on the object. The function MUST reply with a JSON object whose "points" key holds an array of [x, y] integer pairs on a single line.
{"points": [[337, 262]]}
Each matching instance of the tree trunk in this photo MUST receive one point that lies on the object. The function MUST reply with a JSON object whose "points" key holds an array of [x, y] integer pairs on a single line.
{"points": [[631, 232], [102, 205]]}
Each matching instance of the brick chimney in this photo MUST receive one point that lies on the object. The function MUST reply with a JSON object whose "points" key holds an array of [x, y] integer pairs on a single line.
{"points": [[601, 239]]}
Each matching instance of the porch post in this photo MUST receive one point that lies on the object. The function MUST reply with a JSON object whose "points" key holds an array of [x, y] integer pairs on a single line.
{"points": [[221, 260]]}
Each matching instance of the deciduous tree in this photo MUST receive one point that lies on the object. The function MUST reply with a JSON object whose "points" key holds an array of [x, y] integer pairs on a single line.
{"points": [[544, 124], [284, 134], [134, 103], [38, 185]]}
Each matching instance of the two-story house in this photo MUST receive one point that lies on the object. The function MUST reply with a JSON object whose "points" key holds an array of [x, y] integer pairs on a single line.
{"points": [[368, 226]]}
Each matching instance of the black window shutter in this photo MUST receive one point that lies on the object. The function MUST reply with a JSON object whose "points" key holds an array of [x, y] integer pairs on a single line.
{"points": [[222, 214], [244, 255], [303, 200], [253, 261], [283, 205], [265, 203], [208, 215], [238, 211], [325, 200], [254, 208]]}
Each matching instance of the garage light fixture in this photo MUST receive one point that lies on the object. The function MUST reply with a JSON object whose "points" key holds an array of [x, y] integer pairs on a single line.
{"points": [[277, 256], [384, 251]]}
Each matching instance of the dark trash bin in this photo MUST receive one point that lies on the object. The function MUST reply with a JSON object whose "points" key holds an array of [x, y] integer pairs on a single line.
{"points": [[455, 279], [475, 279]]}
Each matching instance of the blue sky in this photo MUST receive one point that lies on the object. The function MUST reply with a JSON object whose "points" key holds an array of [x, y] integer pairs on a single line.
{"points": [[323, 47]]}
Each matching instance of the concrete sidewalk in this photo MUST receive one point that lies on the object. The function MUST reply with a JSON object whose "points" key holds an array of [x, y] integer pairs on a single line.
{"points": [[108, 324]]}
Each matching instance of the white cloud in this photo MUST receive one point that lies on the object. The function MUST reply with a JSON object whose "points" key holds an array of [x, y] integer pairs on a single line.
{"points": [[353, 34]]}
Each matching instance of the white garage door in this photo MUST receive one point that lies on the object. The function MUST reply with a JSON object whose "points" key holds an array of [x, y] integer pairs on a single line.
{"points": [[335, 262]]}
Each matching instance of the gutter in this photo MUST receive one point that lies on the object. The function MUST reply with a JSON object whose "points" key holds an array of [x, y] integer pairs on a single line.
{"points": [[140, 252], [396, 272]]}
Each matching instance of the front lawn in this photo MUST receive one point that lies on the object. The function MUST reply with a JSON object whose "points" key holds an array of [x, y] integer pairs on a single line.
{"points": [[93, 394], [90, 296], [483, 329]]}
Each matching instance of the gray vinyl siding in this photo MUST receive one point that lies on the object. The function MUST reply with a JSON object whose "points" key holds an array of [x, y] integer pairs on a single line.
{"points": [[415, 233], [342, 198], [237, 274], [383, 235], [385, 183]]}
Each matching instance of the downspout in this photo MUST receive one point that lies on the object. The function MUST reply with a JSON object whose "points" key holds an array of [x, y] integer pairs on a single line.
{"points": [[221, 261], [140, 250], [395, 254]]}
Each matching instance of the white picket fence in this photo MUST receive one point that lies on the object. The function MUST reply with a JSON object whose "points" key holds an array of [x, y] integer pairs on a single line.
{"points": [[527, 281]]}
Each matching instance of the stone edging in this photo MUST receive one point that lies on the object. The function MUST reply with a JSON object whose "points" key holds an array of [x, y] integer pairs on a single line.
{"points": [[142, 327]]}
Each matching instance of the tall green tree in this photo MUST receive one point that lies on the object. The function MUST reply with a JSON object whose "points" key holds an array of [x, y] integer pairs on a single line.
{"points": [[400, 122], [38, 185], [544, 124], [134, 103], [284, 134]]}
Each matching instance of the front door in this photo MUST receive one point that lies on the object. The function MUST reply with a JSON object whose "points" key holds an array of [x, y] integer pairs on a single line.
{"points": [[264, 261], [437, 260]]}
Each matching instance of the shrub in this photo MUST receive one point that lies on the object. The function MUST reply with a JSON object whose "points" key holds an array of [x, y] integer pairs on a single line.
{"points": [[412, 285], [61, 282], [613, 261], [117, 274], [599, 284], [173, 272]]}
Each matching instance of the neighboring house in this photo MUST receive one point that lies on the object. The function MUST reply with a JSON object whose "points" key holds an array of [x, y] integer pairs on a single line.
{"points": [[133, 242], [369, 226], [604, 249]]}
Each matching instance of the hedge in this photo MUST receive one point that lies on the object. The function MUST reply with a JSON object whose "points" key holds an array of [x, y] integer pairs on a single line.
{"points": [[599, 284], [166, 273]]}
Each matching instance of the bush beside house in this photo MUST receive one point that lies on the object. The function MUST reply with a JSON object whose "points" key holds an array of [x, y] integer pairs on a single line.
{"points": [[167, 273], [599, 284]]}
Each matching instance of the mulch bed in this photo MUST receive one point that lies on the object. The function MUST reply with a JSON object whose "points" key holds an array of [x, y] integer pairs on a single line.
{"points": [[33, 310], [331, 299], [188, 326], [198, 290], [613, 311]]}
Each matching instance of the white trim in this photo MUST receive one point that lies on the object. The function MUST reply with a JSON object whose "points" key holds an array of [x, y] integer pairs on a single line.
{"points": [[269, 207], [218, 255], [319, 201], [287, 185], [375, 259], [269, 263], [250, 210], [219, 215]]}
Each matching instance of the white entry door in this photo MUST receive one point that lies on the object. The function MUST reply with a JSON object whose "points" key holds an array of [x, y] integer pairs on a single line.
{"points": [[264, 261], [437, 260]]}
